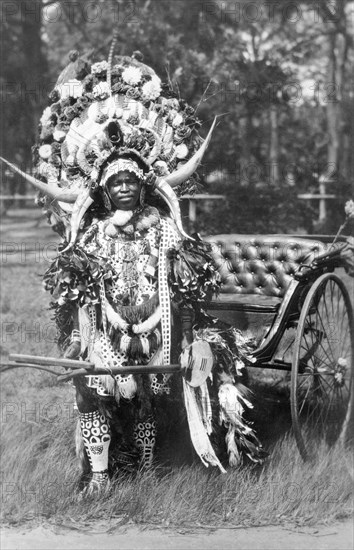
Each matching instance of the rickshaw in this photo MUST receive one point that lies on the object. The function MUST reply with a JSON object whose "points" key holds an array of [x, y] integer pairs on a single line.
{"points": [[284, 293]]}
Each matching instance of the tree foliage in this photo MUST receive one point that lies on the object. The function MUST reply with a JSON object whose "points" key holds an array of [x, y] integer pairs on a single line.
{"points": [[278, 75]]}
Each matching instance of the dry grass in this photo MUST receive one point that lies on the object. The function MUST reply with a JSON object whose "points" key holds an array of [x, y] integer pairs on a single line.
{"points": [[39, 471], [40, 474]]}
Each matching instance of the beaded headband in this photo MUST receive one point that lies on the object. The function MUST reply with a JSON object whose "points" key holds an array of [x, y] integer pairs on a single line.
{"points": [[121, 165]]}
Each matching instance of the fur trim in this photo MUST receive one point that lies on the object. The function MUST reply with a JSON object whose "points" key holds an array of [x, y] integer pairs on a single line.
{"points": [[136, 314], [114, 318]]}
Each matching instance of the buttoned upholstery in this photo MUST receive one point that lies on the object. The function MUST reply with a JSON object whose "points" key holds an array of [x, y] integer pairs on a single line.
{"points": [[260, 265]]}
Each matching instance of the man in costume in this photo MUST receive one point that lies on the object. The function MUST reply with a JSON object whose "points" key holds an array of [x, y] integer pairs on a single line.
{"points": [[116, 148]]}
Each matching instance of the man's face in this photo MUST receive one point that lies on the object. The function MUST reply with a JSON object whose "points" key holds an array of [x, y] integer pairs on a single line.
{"points": [[124, 190]]}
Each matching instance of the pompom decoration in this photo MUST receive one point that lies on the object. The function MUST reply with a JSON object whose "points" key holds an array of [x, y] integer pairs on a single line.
{"points": [[99, 68], [152, 89], [177, 120], [132, 75], [181, 151], [45, 151], [101, 90], [59, 135], [121, 217]]}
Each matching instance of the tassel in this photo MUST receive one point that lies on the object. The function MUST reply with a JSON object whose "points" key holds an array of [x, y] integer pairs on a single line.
{"points": [[127, 386], [153, 343], [145, 344], [135, 348], [116, 339], [125, 343], [158, 337]]}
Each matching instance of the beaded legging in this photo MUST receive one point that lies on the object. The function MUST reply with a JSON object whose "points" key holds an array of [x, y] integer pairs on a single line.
{"points": [[145, 438], [96, 436]]}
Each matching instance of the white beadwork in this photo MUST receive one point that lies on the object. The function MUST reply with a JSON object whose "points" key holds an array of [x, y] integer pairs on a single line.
{"points": [[145, 284], [169, 239]]}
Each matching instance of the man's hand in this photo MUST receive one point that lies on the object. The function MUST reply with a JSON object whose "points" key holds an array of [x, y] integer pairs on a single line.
{"points": [[74, 348], [73, 351]]}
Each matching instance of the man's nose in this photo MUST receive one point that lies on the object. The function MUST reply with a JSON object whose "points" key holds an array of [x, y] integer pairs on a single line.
{"points": [[124, 187]]}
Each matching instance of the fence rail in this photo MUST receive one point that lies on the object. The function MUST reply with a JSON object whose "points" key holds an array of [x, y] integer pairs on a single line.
{"points": [[17, 197]]}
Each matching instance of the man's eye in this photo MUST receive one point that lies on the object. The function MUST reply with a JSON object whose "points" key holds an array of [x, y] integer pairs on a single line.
{"points": [[120, 183]]}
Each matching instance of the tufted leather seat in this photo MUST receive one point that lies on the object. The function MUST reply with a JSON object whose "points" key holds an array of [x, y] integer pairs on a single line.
{"points": [[260, 265], [255, 273]]}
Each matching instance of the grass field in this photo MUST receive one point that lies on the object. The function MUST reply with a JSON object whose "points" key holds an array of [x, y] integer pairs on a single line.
{"points": [[39, 471]]}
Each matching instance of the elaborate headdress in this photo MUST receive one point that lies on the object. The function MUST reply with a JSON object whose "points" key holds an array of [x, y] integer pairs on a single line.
{"points": [[114, 110], [121, 165]]}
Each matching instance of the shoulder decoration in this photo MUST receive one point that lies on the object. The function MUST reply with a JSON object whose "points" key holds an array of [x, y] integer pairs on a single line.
{"points": [[193, 276]]}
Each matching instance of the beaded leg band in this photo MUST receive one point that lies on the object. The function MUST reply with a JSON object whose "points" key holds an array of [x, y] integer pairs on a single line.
{"points": [[96, 436], [145, 439]]}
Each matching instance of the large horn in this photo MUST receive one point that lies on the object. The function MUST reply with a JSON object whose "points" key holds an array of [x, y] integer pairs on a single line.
{"points": [[185, 172], [50, 188], [81, 206], [164, 190]]}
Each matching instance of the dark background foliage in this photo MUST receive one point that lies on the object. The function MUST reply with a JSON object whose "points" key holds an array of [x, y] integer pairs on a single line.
{"points": [[279, 74]]}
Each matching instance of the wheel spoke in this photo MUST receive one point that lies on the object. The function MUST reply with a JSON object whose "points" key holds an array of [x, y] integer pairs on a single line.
{"points": [[315, 344], [332, 324], [331, 359], [324, 330], [321, 384]]}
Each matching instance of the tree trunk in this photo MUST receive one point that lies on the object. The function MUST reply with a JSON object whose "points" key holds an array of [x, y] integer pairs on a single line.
{"points": [[273, 146], [337, 44], [246, 130], [334, 17], [35, 75]]}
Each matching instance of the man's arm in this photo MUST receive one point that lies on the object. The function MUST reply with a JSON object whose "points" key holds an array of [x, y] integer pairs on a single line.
{"points": [[187, 318]]}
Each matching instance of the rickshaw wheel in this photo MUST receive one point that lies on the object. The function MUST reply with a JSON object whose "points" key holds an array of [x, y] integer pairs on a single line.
{"points": [[322, 367]]}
